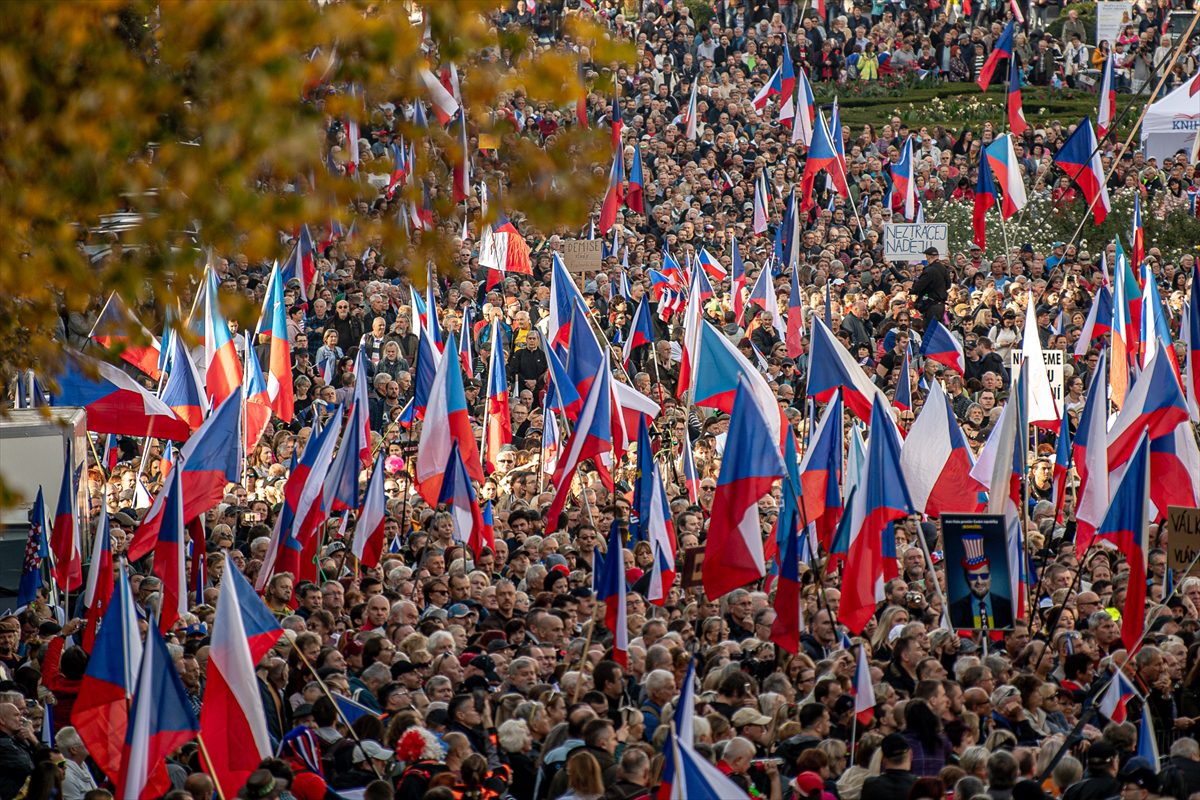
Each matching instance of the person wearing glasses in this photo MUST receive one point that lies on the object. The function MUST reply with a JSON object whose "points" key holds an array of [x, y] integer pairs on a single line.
{"points": [[17, 742], [980, 609]]}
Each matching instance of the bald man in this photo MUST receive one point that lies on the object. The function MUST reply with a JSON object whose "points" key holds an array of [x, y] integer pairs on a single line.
{"points": [[16, 749]]}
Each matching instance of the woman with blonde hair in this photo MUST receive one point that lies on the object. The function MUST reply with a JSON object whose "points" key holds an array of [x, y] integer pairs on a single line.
{"points": [[584, 780]]}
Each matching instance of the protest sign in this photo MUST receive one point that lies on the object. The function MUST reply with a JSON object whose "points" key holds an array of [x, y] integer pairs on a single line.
{"points": [[909, 241]]}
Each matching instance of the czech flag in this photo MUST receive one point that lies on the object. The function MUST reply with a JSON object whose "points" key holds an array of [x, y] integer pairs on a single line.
{"points": [[880, 499], [617, 123], [114, 402], [985, 198], [160, 722], [499, 413], [1003, 49], [303, 508], [806, 114], [903, 184], [684, 730], [610, 589], [1090, 456], [273, 325], [222, 372], [169, 555], [183, 391], [564, 296], [688, 118], [749, 468], [101, 711], [1098, 322], [232, 719], [1126, 525], [114, 328], [444, 104], [64, 536], [822, 156], [902, 398], [458, 494], [635, 191], [738, 285], [1155, 406], [367, 545], [795, 317], [447, 421], [301, 264], [591, 438], [690, 477], [641, 330], [614, 196], [256, 397], [1137, 239], [936, 461], [1079, 157], [709, 263], [821, 473], [1118, 692], [831, 367], [208, 461], [1016, 114], [941, 346], [1106, 114], [1002, 159], [99, 587], [341, 484]]}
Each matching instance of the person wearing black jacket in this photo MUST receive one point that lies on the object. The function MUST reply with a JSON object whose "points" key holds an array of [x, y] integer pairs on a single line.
{"points": [[16, 750], [894, 779], [1100, 780], [932, 288]]}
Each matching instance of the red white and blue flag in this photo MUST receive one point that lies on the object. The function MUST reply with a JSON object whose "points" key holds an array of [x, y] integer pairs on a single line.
{"points": [[591, 438], [1089, 452], [292, 546], [273, 324], [635, 190], [864, 689], [1118, 693], [641, 330], [1006, 169], [115, 402], [937, 462], [1003, 49], [117, 327], [208, 461], [222, 371], [941, 346], [458, 494], [1016, 114], [498, 421], [748, 471], [1079, 157], [831, 367], [64, 536], [101, 711], [232, 718], [610, 589], [985, 198], [1126, 526], [256, 399], [99, 588], [160, 722], [367, 544], [880, 500], [821, 473], [169, 554], [447, 421], [1106, 114], [184, 391]]}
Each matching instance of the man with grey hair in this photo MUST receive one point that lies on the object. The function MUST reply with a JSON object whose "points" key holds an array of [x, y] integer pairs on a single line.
{"points": [[633, 774], [739, 613], [1180, 776], [659, 689], [77, 778]]}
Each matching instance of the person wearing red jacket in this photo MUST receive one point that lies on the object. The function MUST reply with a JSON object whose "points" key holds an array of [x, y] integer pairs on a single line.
{"points": [[62, 673]]}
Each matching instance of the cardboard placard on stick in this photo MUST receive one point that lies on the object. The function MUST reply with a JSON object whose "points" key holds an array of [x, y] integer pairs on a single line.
{"points": [[1183, 534], [581, 255]]}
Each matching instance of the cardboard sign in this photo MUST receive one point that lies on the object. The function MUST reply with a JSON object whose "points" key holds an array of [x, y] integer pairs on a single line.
{"points": [[1055, 370], [909, 241], [693, 567], [979, 592], [1111, 17], [1183, 535], [581, 255]]}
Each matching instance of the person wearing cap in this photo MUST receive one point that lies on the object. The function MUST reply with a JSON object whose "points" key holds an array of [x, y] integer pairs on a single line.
{"points": [[980, 609], [752, 725], [369, 760], [931, 289], [894, 778], [1100, 780]]}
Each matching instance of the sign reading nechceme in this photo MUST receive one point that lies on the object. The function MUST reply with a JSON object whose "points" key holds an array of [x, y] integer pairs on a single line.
{"points": [[909, 241], [581, 255]]}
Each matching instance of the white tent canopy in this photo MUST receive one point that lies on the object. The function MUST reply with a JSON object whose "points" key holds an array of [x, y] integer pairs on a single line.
{"points": [[1173, 122]]}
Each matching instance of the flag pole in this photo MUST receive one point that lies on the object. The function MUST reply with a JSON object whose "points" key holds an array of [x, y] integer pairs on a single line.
{"points": [[1183, 40], [208, 761], [329, 695]]}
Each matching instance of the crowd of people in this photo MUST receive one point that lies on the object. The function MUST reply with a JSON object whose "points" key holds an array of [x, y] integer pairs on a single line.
{"points": [[493, 673]]}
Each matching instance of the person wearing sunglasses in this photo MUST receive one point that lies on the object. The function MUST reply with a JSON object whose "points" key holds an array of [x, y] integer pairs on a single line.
{"points": [[980, 608]]}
